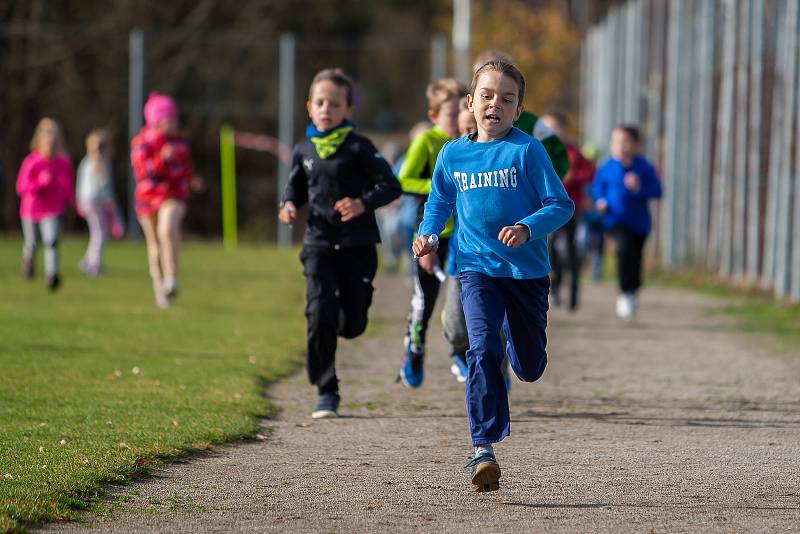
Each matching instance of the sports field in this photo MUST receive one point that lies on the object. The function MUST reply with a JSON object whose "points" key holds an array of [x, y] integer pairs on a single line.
{"points": [[96, 382]]}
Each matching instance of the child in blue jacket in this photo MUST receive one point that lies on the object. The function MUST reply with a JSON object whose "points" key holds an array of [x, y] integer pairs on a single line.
{"points": [[622, 191], [508, 199]]}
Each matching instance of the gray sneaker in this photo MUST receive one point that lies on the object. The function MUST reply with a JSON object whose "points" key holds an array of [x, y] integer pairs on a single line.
{"points": [[484, 472], [327, 406]]}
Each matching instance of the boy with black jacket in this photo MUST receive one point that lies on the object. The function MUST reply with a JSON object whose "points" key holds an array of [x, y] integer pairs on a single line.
{"points": [[344, 179]]}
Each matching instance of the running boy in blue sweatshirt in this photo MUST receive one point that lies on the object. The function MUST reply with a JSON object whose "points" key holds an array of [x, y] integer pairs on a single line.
{"points": [[622, 190], [508, 199]]}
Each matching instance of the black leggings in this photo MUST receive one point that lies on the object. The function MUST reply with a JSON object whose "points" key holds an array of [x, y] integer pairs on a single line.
{"points": [[338, 297], [566, 232], [630, 247]]}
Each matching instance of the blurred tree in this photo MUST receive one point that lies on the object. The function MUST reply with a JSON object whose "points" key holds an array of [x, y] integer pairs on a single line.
{"points": [[543, 43]]}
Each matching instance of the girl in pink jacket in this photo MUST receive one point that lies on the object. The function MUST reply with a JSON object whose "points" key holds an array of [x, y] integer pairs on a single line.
{"points": [[45, 185], [162, 165]]}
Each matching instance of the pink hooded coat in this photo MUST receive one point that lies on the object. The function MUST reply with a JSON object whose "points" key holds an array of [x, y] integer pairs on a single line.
{"points": [[46, 186]]}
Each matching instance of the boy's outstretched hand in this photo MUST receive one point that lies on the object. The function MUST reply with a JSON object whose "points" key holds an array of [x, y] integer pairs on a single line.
{"points": [[632, 181], [514, 236], [349, 208], [287, 213], [422, 246]]}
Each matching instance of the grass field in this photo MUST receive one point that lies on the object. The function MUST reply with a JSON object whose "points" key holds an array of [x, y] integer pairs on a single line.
{"points": [[96, 383]]}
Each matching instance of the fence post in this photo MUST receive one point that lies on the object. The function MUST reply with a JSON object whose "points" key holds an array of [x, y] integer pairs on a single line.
{"points": [[655, 79], [754, 157], [630, 89], [782, 251], [740, 177], [285, 121], [462, 36], [721, 235], [685, 149], [793, 191], [669, 219], [438, 57], [702, 127], [618, 90], [135, 110], [776, 148], [607, 75]]}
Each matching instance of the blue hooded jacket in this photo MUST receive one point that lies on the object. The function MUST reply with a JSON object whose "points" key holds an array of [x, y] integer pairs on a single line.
{"points": [[625, 207]]}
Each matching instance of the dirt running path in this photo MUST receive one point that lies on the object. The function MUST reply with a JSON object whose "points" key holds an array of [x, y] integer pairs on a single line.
{"points": [[675, 423]]}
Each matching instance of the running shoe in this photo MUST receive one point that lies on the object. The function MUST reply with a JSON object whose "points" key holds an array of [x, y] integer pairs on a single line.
{"points": [[459, 367], [170, 288], [327, 406], [484, 472], [53, 282], [623, 308], [28, 270], [412, 373]]}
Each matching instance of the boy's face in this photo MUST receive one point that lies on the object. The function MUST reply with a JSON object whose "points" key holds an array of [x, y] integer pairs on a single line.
{"points": [[447, 117], [328, 106], [466, 122], [622, 146], [495, 103]]}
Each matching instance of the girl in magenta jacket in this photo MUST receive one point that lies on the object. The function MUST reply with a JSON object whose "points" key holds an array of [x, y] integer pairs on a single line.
{"points": [[45, 185], [162, 165]]}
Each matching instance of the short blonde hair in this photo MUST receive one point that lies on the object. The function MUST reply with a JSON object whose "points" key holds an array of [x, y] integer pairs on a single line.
{"points": [[48, 124], [442, 91]]}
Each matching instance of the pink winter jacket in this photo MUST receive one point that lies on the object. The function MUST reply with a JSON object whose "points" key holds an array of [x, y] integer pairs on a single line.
{"points": [[46, 186]]}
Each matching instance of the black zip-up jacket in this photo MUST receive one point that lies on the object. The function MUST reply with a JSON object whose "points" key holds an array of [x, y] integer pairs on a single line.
{"points": [[356, 170]]}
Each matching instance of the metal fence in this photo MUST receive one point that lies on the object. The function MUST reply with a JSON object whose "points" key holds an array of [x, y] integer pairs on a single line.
{"points": [[713, 85]]}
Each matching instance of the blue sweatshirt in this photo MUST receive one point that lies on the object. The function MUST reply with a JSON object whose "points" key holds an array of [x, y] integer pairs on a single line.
{"points": [[491, 185], [626, 208]]}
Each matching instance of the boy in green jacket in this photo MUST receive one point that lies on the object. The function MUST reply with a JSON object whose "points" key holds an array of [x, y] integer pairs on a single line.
{"points": [[415, 178]]}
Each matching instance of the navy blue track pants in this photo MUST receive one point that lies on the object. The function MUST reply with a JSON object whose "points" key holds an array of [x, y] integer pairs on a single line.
{"points": [[519, 307]]}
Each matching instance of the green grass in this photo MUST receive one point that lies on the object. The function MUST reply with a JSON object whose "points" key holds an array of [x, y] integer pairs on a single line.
{"points": [[96, 383], [754, 309]]}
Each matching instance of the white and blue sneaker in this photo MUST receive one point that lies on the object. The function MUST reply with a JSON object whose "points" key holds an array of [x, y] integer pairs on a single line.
{"points": [[413, 372], [484, 472], [459, 367], [327, 406], [626, 306]]}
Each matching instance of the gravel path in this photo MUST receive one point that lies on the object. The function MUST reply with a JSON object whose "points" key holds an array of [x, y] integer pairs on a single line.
{"points": [[675, 423]]}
